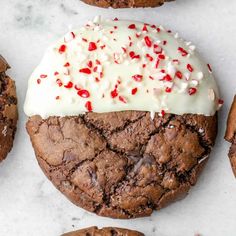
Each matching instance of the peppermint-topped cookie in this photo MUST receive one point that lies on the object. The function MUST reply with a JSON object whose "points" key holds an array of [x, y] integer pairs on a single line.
{"points": [[122, 116]]}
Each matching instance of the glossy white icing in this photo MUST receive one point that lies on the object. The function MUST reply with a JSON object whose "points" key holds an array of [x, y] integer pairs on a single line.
{"points": [[113, 65]]}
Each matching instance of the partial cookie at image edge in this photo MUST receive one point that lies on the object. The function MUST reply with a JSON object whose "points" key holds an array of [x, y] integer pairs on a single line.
{"points": [[230, 135], [108, 231], [8, 110], [126, 4]]}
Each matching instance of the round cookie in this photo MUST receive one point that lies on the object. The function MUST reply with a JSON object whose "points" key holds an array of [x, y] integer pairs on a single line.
{"points": [[8, 110], [126, 3], [109, 231], [230, 135], [127, 119]]}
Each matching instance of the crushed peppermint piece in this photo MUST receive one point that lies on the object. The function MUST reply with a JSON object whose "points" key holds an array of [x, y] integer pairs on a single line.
{"points": [[148, 41], [132, 26], [133, 55], [134, 91], [114, 93], [62, 48], [189, 67], [209, 68], [92, 46], [168, 90], [69, 85], [220, 101], [59, 82], [179, 75], [183, 52], [85, 71], [83, 93], [122, 99], [88, 106], [43, 76], [137, 78], [211, 94], [192, 91]]}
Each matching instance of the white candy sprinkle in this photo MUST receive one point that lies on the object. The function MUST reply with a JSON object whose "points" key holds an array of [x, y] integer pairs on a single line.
{"points": [[211, 94]]}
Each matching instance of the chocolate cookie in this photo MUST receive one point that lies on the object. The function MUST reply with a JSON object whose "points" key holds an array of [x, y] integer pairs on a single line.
{"points": [[125, 164], [109, 231], [126, 3], [127, 119], [8, 110], [231, 135]]}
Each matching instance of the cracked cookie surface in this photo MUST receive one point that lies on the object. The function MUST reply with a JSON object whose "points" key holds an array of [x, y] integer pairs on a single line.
{"points": [[108, 231], [8, 110], [123, 164], [231, 135], [126, 3]]}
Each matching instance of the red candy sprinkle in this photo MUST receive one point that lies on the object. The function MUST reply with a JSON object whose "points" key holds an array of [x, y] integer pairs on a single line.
{"points": [[145, 28], [164, 42], [168, 90], [62, 48], [98, 62], [209, 67], [134, 91], [43, 76], [83, 93], [220, 101], [161, 56], [38, 81], [56, 73], [190, 68], [163, 113], [132, 26], [124, 49], [133, 55], [192, 91], [92, 46], [88, 106], [59, 82], [157, 63], [179, 74], [57, 97], [148, 41], [114, 93], [69, 85], [183, 51], [90, 64], [137, 78], [122, 99], [167, 78], [67, 64], [85, 71], [149, 57]]}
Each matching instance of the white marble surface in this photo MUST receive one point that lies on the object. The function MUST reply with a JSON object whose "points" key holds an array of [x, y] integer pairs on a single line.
{"points": [[30, 205]]}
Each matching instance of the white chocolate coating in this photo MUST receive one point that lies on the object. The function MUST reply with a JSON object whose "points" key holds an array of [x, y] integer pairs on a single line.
{"points": [[111, 65]]}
